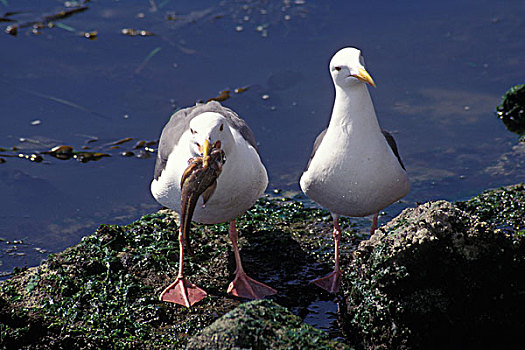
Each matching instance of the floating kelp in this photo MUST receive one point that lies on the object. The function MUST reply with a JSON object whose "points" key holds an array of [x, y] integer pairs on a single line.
{"points": [[85, 157], [144, 144], [43, 22], [67, 152], [65, 13], [61, 152], [12, 29], [3, 19], [140, 144], [120, 142], [241, 89], [32, 148], [127, 154], [143, 154], [223, 95], [32, 157], [90, 35], [172, 16], [136, 32]]}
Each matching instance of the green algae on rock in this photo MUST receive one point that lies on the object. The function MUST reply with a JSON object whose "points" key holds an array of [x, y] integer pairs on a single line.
{"points": [[261, 324], [437, 277], [439, 271], [511, 110], [102, 292], [503, 207]]}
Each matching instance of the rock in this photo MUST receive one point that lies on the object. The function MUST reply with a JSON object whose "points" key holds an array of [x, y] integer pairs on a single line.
{"points": [[503, 207], [261, 324], [511, 110], [439, 277], [103, 292]]}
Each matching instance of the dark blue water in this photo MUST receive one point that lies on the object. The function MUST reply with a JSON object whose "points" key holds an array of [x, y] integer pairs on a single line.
{"points": [[440, 68]]}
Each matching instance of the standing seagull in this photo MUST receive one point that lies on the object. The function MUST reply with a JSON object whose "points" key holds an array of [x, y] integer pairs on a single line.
{"points": [[242, 181], [355, 168]]}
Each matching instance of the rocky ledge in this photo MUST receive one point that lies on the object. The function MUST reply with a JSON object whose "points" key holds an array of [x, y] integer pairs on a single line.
{"points": [[439, 275], [442, 275]]}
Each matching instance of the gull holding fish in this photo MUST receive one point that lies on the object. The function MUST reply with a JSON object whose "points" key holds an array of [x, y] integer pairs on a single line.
{"points": [[208, 170]]}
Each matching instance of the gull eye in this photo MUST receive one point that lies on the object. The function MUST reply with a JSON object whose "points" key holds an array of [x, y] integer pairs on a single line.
{"points": [[221, 127], [192, 131], [337, 68]]}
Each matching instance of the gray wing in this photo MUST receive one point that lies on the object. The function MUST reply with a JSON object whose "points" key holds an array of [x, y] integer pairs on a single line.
{"points": [[392, 143], [180, 122], [317, 142]]}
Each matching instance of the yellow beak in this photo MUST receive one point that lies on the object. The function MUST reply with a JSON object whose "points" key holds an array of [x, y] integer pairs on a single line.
{"points": [[205, 150], [364, 77]]}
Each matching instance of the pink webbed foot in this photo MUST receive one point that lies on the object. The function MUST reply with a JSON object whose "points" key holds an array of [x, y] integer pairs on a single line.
{"points": [[182, 292], [331, 282], [246, 287]]}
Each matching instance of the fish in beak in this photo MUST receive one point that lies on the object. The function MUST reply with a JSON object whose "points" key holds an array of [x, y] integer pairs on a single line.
{"points": [[199, 178]]}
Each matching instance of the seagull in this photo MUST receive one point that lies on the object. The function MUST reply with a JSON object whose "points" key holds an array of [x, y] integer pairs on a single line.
{"points": [[355, 168], [243, 179]]}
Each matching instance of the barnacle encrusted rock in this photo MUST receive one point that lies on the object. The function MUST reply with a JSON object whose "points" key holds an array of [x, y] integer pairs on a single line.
{"points": [[435, 277]]}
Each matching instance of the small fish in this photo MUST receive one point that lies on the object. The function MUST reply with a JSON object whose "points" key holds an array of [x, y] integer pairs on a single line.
{"points": [[199, 178]]}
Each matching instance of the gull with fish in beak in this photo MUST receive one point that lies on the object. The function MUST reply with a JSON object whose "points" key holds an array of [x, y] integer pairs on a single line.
{"points": [[208, 155]]}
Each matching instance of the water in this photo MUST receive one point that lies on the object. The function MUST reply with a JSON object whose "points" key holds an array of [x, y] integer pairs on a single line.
{"points": [[440, 68]]}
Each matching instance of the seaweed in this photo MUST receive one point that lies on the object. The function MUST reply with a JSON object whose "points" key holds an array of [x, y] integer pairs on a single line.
{"points": [[103, 292], [511, 110]]}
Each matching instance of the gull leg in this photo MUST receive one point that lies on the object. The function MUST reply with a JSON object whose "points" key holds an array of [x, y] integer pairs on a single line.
{"points": [[182, 291], [373, 227], [244, 286], [332, 281]]}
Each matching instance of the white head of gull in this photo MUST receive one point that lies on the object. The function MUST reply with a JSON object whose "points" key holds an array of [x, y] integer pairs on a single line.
{"points": [[242, 181], [355, 168]]}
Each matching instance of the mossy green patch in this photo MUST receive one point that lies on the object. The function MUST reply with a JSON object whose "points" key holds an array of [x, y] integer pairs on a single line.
{"points": [[262, 324], [440, 277], [503, 207], [103, 292], [511, 110]]}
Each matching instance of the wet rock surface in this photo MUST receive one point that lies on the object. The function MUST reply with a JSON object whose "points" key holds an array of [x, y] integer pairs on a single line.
{"points": [[511, 110], [261, 324], [442, 275], [103, 292], [439, 275]]}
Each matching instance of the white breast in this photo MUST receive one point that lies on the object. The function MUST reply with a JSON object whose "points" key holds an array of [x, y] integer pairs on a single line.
{"points": [[242, 181], [354, 174]]}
